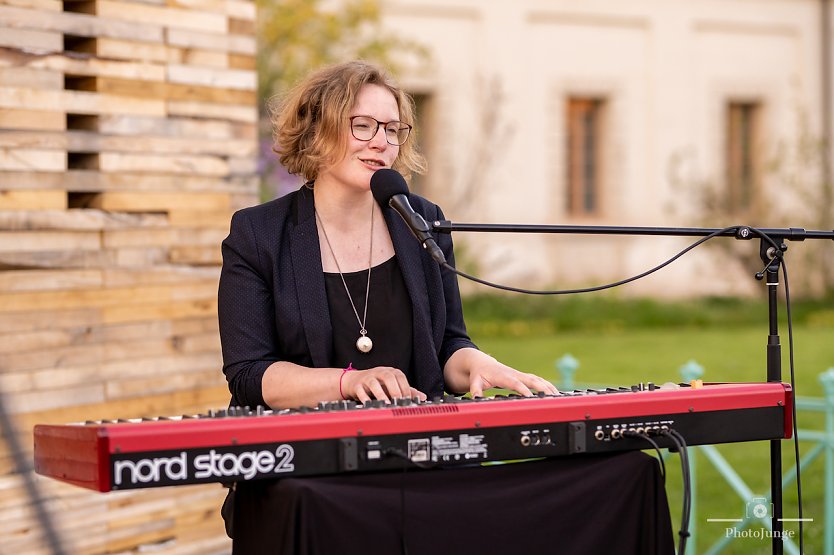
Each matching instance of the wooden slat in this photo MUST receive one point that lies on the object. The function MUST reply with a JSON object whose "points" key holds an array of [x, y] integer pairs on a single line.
{"points": [[127, 388], [12, 139], [27, 401], [29, 39], [206, 342], [246, 114], [32, 160], [30, 321], [24, 382], [69, 389], [32, 200], [169, 127], [30, 77], [79, 102], [138, 257], [167, 237], [110, 297], [200, 218], [116, 48], [17, 118], [33, 241], [71, 356], [30, 341], [196, 255], [79, 24], [242, 26], [206, 58], [175, 91], [190, 401], [211, 77], [243, 165], [240, 9], [149, 202], [162, 15], [65, 63], [148, 163], [83, 141], [44, 5], [162, 237], [120, 277], [86, 180], [42, 280], [169, 310], [234, 44], [75, 220], [240, 61], [60, 258]]}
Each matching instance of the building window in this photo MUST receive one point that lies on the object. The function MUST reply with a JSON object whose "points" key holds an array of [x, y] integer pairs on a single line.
{"points": [[741, 155], [584, 156]]}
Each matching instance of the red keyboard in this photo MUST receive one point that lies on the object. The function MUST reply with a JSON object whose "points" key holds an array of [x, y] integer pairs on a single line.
{"points": [[242, 444]]}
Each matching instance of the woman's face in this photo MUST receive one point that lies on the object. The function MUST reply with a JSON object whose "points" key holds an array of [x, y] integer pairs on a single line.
{"points": [[363, 158]]}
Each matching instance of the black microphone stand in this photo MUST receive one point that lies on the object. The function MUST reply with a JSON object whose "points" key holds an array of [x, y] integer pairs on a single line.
{"points": [[771, 250], [772, 257]]}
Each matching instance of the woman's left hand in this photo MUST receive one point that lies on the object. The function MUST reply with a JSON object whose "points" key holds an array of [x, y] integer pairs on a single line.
{"points": [[475, 371]]}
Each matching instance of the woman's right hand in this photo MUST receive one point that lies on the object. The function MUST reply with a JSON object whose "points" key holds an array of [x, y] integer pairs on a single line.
{"points": [[381, 382]]}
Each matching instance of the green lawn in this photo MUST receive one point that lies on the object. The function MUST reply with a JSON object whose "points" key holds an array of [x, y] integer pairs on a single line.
{"points": [[620, 356]]}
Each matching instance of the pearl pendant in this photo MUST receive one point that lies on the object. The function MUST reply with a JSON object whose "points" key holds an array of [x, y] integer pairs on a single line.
{"points": [[364, 344]]}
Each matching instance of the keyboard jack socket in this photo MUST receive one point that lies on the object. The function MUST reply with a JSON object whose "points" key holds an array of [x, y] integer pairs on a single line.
{"points": [[616, 433], [599, 435], [525, 440]]}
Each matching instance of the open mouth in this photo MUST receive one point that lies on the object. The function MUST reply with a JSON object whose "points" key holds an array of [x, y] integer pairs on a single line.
{"points": [[375, 163]]}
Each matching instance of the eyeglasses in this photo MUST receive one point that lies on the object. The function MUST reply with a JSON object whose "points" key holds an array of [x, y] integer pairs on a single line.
{"points": [[365, 128]]}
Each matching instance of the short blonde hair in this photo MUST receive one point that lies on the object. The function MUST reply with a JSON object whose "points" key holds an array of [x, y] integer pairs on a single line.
{"points": [[309, 124]]}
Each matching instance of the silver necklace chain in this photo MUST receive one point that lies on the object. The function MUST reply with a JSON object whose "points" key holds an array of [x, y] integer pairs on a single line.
{"points": [[364, 342]]}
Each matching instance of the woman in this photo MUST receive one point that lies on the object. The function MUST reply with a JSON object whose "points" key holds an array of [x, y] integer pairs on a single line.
{"points": [[324, 281], [326, 295]]}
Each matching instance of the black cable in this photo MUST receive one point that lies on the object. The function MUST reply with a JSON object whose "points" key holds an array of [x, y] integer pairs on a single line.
{"points": [[632, 433], [399, 453], [404, 543], [687, 484], [684, 457], [406, 459], [598, 287], [793, 407], [680, 444], [687, 487]]}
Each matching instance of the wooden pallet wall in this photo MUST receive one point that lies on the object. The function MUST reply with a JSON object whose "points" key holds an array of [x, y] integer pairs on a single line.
{"points": [[127, 139]]}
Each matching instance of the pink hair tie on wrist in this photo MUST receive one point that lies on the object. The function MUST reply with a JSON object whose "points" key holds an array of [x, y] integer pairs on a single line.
{"points": [[348, 369]]}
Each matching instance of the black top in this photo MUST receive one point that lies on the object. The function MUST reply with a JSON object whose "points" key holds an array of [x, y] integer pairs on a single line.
{"points": [[272, 299], [389, 318]]}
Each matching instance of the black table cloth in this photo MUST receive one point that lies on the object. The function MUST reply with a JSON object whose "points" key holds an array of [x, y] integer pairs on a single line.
{"points": [[606, 504]]}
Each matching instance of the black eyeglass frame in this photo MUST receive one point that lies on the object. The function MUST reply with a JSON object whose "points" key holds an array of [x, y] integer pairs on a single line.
{"points": [[384, 124]]}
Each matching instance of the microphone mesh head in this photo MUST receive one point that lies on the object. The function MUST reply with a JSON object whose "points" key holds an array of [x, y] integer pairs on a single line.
{"points": [[386, 183]]}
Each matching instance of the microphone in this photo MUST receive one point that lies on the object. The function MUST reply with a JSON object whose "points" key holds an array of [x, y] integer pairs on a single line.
{"points": [[389, 188]]}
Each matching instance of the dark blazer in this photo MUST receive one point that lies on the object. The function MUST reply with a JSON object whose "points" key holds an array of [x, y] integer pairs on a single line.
{"points": [[273, 306]]}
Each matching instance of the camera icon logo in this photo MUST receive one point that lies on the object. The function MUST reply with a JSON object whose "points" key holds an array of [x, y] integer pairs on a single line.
{"points": [[758, 507]]}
